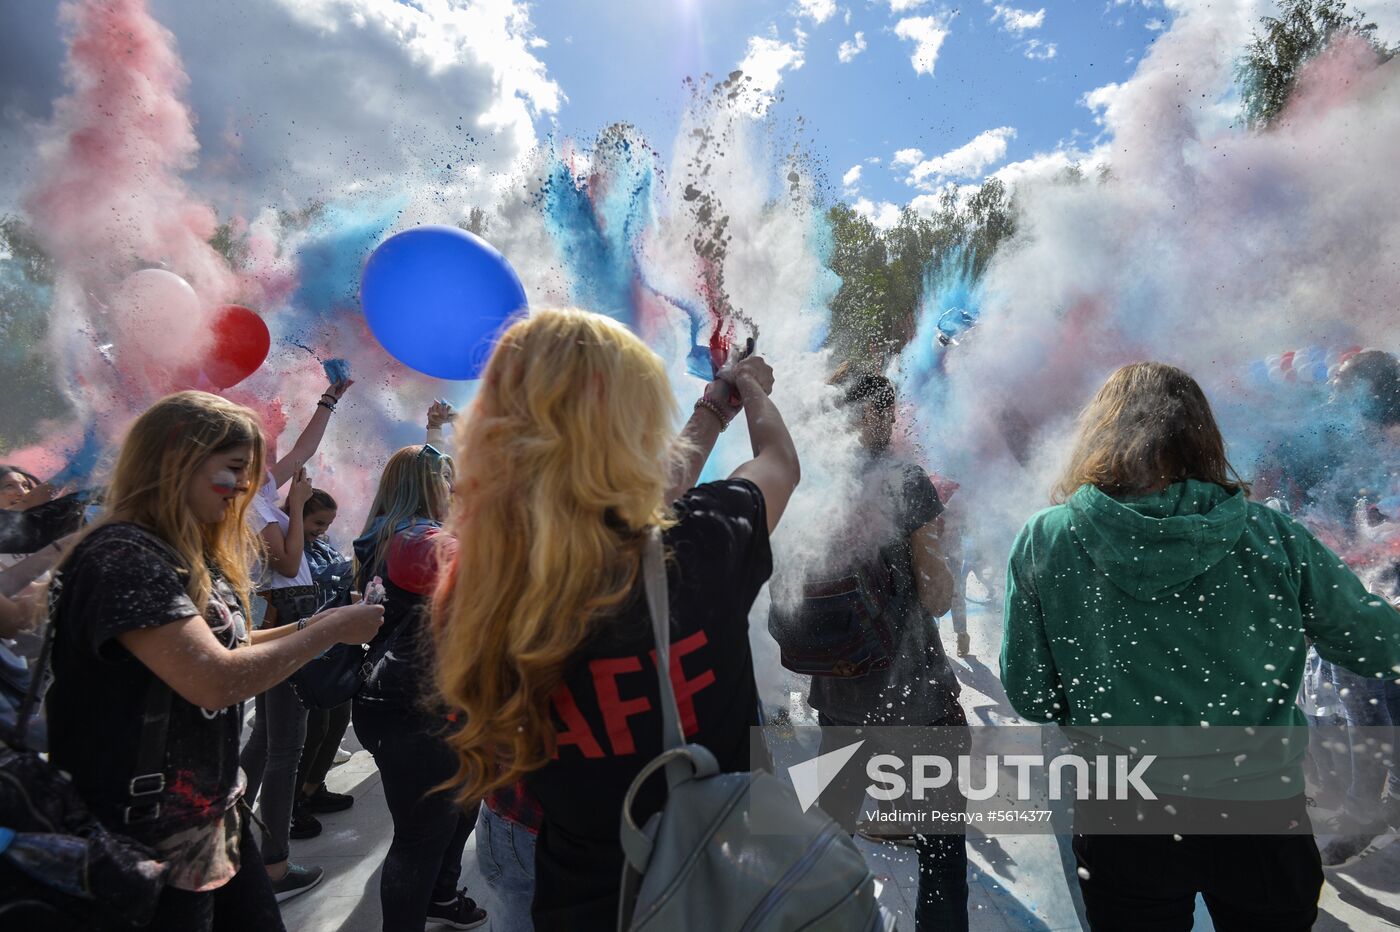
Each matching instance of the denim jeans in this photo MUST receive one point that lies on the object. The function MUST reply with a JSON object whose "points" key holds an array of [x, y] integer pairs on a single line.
{"points": [[430, 828], [1374, 704], [943, 890], [270, 759], [505, 852]]}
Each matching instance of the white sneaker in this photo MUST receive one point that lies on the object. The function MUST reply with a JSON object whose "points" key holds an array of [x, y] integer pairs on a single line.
{"points": [[342, 755]]}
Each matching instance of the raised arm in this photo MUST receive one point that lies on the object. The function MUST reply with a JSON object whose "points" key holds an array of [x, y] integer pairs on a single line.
{"points": [[439, 414], [285, 551], [775, 468], [310, 440], [192, 662], [713, 412]]}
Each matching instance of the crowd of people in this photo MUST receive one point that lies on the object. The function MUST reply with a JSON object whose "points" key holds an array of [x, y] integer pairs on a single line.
{"points": [[499, 659]]}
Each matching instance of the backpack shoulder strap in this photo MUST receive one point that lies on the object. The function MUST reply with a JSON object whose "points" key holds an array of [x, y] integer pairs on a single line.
{"points": [[659, 606]]}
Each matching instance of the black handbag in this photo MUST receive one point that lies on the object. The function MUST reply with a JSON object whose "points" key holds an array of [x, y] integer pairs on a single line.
{"points": [[61, 870], [336, 676], [333, 678]]}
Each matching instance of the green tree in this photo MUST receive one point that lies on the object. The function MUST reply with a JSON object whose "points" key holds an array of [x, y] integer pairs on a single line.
{"points": [[860, 310], [1288, 41], [882, 274]]}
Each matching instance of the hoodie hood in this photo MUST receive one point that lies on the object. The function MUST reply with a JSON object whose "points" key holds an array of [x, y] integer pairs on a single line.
{"points": [[1153, 545], [364, 545]]}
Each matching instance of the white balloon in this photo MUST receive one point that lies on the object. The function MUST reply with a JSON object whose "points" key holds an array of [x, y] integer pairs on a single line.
{"points": [[156, 315]]}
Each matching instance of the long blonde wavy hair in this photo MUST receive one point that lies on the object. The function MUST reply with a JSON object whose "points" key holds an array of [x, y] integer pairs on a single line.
{"points": [[563, 467], [162, 451]]}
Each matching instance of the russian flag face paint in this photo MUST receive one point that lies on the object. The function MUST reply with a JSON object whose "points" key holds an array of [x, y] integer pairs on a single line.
{"points": [[224, 482]]}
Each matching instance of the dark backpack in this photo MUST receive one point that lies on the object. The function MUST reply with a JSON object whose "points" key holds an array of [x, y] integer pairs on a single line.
{"points": [[839, 626], [61, 870]]}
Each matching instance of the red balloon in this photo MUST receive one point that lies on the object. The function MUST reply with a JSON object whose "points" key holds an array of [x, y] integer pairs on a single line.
{"points": [[241, 342]]}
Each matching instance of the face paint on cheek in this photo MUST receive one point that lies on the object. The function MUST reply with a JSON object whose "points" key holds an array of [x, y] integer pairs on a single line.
{"points": [[224, 482]]}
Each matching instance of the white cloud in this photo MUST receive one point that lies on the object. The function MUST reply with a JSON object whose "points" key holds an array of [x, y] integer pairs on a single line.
{"points": [[883, 215], [1155, 25], [1018, 21], [819, 10], [1100, 100], [968, 161], [851, 178], [763, 65], [908, 157], [385, 93], [902, 6], [851, 48], [1041, 51], [1046, 166], [927, 33]]}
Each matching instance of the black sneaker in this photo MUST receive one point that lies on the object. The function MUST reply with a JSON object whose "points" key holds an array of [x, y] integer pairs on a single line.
{"points": [[304, 824], [1348, 849], [460, 913], [323, 801], [296, 881]]}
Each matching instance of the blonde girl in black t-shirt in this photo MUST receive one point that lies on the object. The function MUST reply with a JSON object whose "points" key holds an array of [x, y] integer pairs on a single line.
{"points": [[568, 460], [150, 610]]}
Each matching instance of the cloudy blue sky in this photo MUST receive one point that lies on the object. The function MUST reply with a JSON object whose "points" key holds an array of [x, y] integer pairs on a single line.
{"points": [[295, 98]]}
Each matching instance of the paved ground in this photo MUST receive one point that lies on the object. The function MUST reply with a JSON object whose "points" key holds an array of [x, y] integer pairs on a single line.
{"points": [[1017, 882]]}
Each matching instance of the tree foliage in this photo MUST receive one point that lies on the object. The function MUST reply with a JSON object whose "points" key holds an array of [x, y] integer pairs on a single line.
{"points": [[883, 273], [1284, 44]]}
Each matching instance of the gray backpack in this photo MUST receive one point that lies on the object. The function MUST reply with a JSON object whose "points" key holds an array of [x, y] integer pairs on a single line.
{"points": [[699, 865]]}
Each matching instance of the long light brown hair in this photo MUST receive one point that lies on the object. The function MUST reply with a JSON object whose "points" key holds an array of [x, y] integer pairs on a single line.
{"points": [[1149, 426], [563, 468], [414, 484], [158, 460]]}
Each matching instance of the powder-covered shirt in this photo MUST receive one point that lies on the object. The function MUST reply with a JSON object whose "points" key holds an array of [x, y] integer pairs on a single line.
{"points": [[123, 578], [918, 687]]}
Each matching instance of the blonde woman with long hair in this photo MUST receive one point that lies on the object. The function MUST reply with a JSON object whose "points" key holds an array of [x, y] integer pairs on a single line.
{"points": [[150, 617], [395, 714], [569, 460], [1157, 594]]}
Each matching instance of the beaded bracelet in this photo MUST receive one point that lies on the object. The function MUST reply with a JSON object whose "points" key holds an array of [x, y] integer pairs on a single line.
{"points": [[714, 409]]}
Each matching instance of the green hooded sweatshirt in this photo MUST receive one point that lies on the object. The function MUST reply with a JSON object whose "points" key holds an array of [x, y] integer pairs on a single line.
{"points": [[1192, 606]]}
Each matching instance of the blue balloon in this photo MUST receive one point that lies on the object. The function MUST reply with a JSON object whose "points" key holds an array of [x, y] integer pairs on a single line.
{"points": [[437, 297]]}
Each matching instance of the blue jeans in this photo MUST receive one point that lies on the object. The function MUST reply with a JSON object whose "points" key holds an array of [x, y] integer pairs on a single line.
{"points": [[505, 852], [1374, 704], [943, 888]]}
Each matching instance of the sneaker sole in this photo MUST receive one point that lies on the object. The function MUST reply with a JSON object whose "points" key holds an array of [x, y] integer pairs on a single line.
{"points": [[1377, 843], [459, 925], [288, 894]]}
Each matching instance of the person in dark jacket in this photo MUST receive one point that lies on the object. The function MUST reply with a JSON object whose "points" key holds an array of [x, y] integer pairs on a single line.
{"points": [[395, 715], [1156, 593]]}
